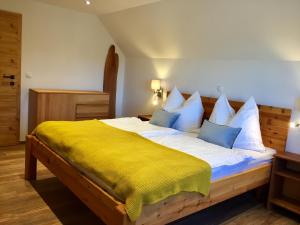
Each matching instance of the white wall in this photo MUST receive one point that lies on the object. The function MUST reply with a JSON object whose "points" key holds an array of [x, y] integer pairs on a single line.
{"points": [[249, 47], [61, 49]]}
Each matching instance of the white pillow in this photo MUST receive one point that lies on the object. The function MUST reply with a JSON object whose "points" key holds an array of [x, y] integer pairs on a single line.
{"points": [[191, 114], [247, 118], [174, 100], [222, 112]]}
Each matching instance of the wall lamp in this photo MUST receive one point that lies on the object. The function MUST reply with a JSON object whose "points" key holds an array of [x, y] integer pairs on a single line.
{"points": [[87, 2], [156, 87], [294, 124]]}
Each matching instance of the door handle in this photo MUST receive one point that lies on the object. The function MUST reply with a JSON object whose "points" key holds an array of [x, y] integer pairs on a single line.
{"points": [[12, 77]]}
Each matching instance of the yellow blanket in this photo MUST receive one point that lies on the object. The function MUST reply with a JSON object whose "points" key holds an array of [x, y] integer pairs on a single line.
{"points": [[138, 170]]}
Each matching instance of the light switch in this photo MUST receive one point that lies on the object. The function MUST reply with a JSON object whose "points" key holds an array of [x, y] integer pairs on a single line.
{"points": [[28, 75]]}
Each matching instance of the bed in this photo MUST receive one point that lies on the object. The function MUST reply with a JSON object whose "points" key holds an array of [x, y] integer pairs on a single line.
{"points": [[274, 126]]}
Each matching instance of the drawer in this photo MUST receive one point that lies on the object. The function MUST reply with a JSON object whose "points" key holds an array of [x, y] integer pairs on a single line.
{"points": [[91, 111], [92, 99]]}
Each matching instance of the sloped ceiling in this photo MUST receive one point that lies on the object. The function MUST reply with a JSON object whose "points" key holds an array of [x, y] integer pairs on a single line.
{"points": [[209, 29], [99, 6]]}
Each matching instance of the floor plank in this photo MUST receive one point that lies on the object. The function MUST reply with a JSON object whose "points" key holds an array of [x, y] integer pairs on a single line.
{"points": [[46, 201]]}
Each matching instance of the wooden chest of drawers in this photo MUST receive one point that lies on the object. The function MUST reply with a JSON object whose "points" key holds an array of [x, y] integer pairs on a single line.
{"points": [[45, 105]]}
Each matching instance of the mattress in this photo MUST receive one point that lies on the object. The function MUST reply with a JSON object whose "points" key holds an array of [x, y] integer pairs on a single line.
{"points": [[249, 163]]}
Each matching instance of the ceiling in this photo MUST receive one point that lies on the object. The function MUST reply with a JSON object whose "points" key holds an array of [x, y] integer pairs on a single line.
{"points": [[209, 29], [99, 7]]}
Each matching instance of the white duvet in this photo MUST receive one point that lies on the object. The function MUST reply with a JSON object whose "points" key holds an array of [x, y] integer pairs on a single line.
{"points": [[213, 154]]}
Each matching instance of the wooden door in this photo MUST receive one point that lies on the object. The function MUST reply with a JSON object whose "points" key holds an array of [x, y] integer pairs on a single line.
{"points": [[10, 70]]}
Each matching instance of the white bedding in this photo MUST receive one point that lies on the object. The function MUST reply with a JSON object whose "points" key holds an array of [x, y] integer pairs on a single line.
{"points": [[215, 155], [135, 125]]}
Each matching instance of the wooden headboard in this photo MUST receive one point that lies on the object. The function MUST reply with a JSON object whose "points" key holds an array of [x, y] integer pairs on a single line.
{"points": [[274, 121]]}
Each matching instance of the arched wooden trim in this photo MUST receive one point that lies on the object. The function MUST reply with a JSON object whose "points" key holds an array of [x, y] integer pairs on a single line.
{"points": [[110, 78]]}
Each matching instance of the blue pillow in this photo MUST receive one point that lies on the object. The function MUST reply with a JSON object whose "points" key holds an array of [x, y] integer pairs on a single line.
{"points": [[163, 118], [218, 134]]}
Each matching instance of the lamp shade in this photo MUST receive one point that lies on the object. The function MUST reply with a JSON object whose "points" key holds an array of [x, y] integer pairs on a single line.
{"points": [[155, 84]]}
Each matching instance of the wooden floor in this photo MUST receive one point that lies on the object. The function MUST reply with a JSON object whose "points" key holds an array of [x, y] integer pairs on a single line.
{"points": [[46, 201]]}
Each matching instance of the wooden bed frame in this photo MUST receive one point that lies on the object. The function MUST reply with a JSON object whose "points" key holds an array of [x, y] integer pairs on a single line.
{"points": [[274, 126]]}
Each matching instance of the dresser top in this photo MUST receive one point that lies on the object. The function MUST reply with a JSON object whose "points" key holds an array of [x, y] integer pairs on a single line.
{"points": [[61, 91]]}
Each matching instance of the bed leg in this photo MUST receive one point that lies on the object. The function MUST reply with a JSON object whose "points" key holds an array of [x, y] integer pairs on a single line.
{"points": [[30, 161]]}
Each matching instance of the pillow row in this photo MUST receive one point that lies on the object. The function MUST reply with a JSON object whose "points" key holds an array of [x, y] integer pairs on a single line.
{"points": [[187, 116]]}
